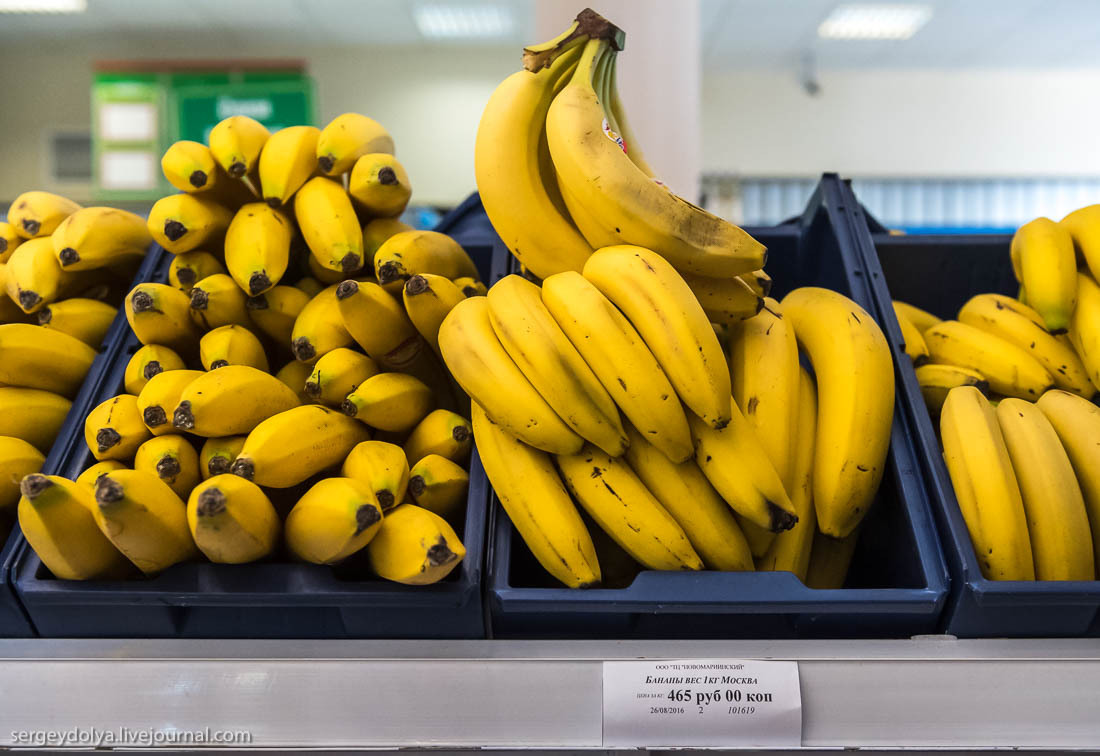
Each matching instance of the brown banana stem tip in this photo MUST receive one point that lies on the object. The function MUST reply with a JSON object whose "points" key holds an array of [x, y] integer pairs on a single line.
{"points": [[325, 163], [182, 417], [186, 276], [199, 299], [389, 272], [141, 301], [28, 299], [441, 553], [303, 350], [152, 367], [780, 518], [197, 179], [68, 256], [243, 468], [218, 465], [168, 467], [45, 315], [461, 433], [417, 485], [211, 502], [258, 302], [108, 491], [387, 176], [154, 417], [416, 285], [33, 485], [258, 282], [366, 516], [31, 227], [589, 24], [174, 230], [385, 499], [236, 170], [105, 438], [346, 289], [219, 364], [351, 262]]}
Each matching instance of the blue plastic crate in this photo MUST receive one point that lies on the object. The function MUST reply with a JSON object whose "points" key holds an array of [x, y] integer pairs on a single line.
{"points": [[898, 581], [939, 274], [13, 619], [260, 600], [468, 224]]}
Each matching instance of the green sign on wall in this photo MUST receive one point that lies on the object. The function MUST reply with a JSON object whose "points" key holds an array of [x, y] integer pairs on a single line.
{"points": [[274, 104]]}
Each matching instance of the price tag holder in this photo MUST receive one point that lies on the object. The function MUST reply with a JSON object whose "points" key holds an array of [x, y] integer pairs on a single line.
{"points": [[716, 703]]}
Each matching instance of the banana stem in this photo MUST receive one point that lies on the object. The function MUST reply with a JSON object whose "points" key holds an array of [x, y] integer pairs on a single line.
{"points": [[588, 66], [587, 25]]}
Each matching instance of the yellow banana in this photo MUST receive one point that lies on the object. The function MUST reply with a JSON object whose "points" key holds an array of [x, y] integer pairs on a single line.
{"points": [[764, 375], [94, 237], [1061, 541], [691, 500], [600, 176], [441, 432], [217, 301], [172, 459], [830, 559], [10, 311], [1084, 227], [85, 319], [32, 415], [159, 397], [232, 521], [34, 278], [35, 214], [790, 550], [232, 345], [921, 319], [160, 314], [348, 137], [517, 193], [55, 516], [144, 519], [274, 312], [322, 274], [986, 485], [439, 485], [311, 286], [736, 464], [319, 329], [191, 267], [189, 166], [547, 359], [380, 185], [9, 240], [1045, 263], [1077, 422], [257, 247], [18, 459], [381, 466], [405, 254], [1020, 325], [428, 298], [236, 143], [115, 430], [726, 300], [621, 360], [415, 547], [294, 375], [483, 369], [218, 454], [470, 286], [914, 341], [337, 374], [288, 159], [1010, 370], [91, 476], [1084, 328], [621, 504], [375, 232], [392, 402], [329, 225], [647, 288], [185, 222], [231, 401], [855, 395], [333, 520], [148, 361], [378, 323], [532, 493], [936, 381], [43, 358], [289, 447]]}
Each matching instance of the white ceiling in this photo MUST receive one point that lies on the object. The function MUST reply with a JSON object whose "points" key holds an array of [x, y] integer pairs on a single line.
{"points": [[736, 33]]}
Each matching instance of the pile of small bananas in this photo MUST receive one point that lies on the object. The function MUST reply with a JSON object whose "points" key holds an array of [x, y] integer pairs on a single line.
{"points": [[208, 452], [609, 384], [63, 271], [1010, 381]]}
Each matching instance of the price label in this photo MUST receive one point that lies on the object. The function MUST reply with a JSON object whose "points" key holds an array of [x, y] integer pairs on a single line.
{"points": [[713, 703]]}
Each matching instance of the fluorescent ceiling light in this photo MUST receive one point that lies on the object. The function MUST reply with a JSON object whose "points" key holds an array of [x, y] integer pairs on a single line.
{"points": [[874, 21], [439, 21], [43, 6]]}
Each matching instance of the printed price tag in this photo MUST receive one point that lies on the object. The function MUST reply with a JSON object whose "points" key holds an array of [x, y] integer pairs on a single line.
{"points": [[701, 702]]}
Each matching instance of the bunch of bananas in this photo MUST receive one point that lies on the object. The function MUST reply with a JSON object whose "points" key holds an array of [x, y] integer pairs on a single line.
{"points": [[212, 453], [1011, 389], [63, 271]]}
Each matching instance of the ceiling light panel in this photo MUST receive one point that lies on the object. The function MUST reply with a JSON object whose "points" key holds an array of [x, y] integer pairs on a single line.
{"points": [[446, 21], [874, 21], [43, 6]]}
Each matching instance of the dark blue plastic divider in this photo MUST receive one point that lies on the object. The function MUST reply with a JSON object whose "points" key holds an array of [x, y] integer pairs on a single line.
{"points": [[898, 581], [13, 619], [468, 224], [939, 274], [259, 600]]}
